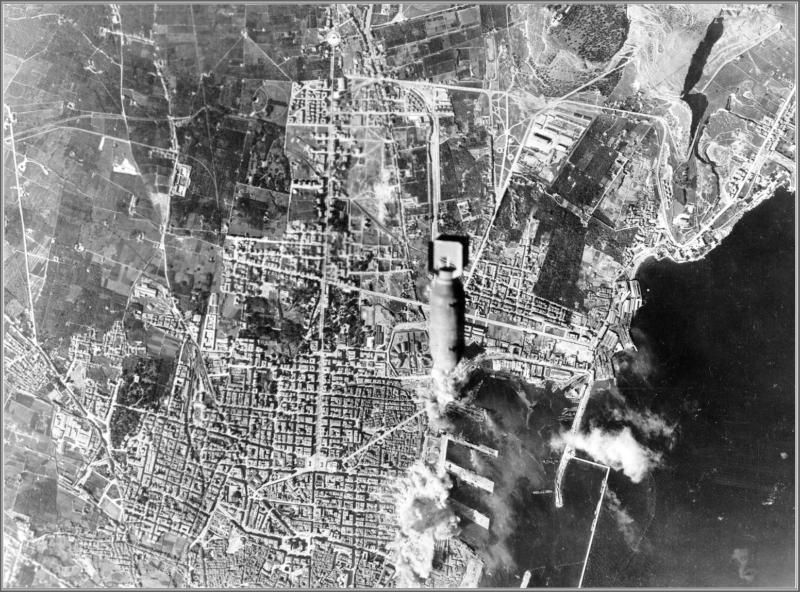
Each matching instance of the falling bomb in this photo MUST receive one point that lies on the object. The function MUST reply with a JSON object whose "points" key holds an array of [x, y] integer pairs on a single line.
{"points": [[447, 303]]}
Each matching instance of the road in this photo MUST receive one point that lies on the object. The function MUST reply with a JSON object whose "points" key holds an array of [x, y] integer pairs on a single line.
{"points": [[435, 178], [657, 172], [435, 171], [21, 220], [472, 317], [737, 50], [662, 203], [323, 297], [384, 435], [755, 166], [766, 147], [427, 85], [506, 181], [498, 196], [72, 396]]}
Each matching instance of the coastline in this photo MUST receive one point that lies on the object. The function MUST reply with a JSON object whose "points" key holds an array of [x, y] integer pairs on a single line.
{"points": [[718, 338], [661, 251]]}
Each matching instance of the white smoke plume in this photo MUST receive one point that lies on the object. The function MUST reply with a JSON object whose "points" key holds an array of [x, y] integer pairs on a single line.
{"points": [[423, 517], [619, 450], [442, 389], [642, 361], [625, 522], [423, 513], [742, 558], [650, 424], [383, 194]]}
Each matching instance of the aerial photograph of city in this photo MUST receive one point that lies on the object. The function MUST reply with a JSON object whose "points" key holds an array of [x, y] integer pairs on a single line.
{"points": [[417, 295]]}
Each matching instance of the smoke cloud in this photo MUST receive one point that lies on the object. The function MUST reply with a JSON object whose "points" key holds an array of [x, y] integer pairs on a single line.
{"points": [[617, 449], [423, 517], [509, 426], [622, 434], [443, 389], [421, 496], [650, 424], [383, 194], [637, 365], [625, 522], [742, 558]]}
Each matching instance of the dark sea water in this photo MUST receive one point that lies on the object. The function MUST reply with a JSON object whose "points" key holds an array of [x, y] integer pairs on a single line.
{"points": [[717, 356]]}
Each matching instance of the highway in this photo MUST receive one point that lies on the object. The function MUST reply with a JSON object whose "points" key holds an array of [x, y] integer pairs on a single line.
{"points": [[426, 85], [425, 305], [434, 174], [498, 196], [755, 166], [384, 435], [21, 221], [766, 147], [323, 298], [657, 172]]}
